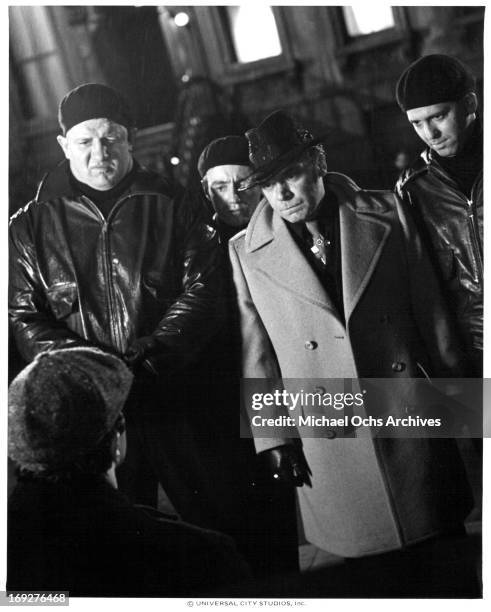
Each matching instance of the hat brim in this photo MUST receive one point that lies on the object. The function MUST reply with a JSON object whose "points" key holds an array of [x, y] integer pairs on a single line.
{"points": [[269, 170]]}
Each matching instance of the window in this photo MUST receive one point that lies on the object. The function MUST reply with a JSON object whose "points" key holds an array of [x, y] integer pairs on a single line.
{"points": [[362, 20], [39, 66], [360, 28], [244, 43], [253, 32]]}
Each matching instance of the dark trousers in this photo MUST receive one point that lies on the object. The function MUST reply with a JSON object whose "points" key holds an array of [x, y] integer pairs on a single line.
{"points": [[446, 566], [440, 567]]}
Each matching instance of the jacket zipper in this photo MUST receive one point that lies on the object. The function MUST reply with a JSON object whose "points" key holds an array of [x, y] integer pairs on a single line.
{"points": [[113, 328], [475, 241], [475, 244]]}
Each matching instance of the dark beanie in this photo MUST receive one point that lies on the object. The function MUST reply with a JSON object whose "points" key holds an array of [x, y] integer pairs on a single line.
{"points": [[93, 101], [229, 150], [433, 79], [62, 405]]}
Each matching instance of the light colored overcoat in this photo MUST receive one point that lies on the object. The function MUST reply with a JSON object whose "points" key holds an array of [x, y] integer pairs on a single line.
{"points": [[368, 495]]}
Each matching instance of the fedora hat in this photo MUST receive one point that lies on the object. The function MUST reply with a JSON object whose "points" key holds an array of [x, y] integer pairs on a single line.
{"points": [[276, 143]]}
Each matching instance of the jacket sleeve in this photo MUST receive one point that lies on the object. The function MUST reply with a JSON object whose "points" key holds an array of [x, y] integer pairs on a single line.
{"points": [[259, 361], [194, 315], [33, 324]]}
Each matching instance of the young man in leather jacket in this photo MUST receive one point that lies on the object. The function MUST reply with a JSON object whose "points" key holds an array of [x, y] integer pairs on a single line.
{"points": [[445, 186]]}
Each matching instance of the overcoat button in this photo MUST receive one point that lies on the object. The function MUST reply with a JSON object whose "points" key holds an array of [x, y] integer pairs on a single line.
{"points": [[321, 390], [310, 345], [398, 366], [330, 434]]}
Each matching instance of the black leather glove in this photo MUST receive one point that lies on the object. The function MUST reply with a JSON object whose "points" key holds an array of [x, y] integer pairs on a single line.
{"points": [[288, 465], [141, 349]]}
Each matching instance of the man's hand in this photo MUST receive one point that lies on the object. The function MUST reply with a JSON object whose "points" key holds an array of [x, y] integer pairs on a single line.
{"points": [[139, 351], [288, 465]]}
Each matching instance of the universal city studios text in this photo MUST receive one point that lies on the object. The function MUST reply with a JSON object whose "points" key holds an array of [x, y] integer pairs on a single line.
{"points": [[361, 407]]}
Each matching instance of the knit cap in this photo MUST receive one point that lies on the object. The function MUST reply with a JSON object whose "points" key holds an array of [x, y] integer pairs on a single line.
{"points": [[229, 150], [93, 101], [433, 79]]}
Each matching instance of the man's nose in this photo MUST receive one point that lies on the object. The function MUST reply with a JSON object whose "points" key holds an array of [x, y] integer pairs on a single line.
{"points": [[234, 194], [283, 191], [99, 149], [431, 131]]}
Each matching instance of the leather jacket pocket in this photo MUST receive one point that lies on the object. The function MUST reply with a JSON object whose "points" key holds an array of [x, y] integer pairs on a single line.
{"points": [[62, 298], [446, 260]]}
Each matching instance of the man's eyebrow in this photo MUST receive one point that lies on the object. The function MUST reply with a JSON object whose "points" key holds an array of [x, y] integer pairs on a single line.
{"points": [[218, 182], [440, 112]]}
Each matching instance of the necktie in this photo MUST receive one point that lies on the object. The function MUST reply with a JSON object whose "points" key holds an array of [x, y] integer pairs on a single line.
{"points": [[319, 241]]}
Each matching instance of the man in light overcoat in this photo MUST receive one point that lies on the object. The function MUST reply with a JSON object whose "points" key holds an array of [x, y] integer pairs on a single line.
{"points": [[332, 283]]}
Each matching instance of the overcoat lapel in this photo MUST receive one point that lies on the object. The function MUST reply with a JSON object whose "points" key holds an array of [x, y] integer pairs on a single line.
{"points": [[277, 256], [362, 233], [362, 240]]}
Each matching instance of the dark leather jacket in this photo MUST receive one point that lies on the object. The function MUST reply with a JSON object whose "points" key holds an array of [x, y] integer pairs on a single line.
{"points": [[452, 225], [153, 267]]}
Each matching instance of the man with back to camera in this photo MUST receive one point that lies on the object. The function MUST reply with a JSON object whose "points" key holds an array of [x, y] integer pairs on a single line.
{"points": [[107, 255], [444, 187], [332, 283], [69, 528]]}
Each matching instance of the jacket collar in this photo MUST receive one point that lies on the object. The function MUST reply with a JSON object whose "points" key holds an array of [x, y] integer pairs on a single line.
{"points": [[265, 223], [363, 234], [56, 183]]}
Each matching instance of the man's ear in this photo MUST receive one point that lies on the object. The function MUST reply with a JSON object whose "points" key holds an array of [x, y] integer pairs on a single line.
{"points": [[131, 137], [62, 141], [470, 103], [204, 187]]}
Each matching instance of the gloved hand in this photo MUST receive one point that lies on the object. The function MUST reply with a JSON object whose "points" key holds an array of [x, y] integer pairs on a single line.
{"points": [[288, 465], [141, 349]]}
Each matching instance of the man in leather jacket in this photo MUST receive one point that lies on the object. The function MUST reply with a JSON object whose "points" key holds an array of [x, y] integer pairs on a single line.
{"points": [[222, 165], [445, 186], [107, 255], [267, 542]]}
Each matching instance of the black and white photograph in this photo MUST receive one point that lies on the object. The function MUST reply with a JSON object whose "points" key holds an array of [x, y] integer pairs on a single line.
{"points": [[245, 304]]}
